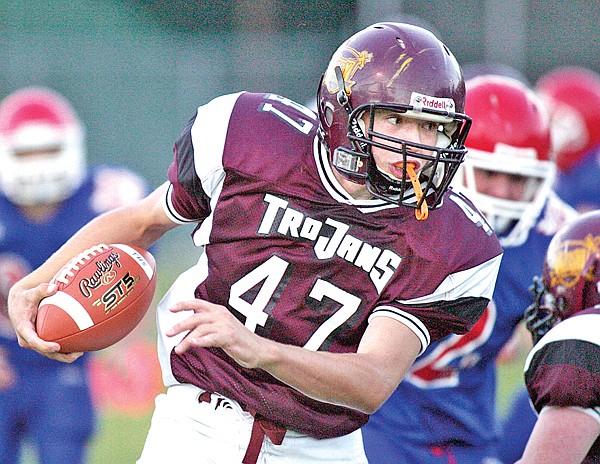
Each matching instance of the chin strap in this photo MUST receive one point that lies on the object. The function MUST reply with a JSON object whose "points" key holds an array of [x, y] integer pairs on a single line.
{"points": [[423, 212]]}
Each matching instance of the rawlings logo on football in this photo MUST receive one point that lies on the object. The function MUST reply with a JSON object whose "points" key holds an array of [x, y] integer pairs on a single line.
{"points": [[104, 275]]}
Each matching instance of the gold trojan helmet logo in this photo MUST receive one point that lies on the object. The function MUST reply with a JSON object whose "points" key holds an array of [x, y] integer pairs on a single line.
{"points": [[571, 259], [350, 61]]}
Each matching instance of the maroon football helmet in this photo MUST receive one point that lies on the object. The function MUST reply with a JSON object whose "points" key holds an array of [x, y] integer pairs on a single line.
{"points": [[406, 69], [571, 274], [572, 265]]}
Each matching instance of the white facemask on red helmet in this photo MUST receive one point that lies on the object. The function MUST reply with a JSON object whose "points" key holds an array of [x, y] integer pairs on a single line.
{"points": [[42, 150], [510, 134]]}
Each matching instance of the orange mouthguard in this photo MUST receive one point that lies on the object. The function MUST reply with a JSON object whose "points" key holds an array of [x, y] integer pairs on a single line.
{"points": [[423, 212]]}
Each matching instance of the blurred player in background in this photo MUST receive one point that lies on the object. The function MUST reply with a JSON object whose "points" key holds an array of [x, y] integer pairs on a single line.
{"points": [[444, 411], [47, 192], [327, 266], [573, 94], [561, 371]]}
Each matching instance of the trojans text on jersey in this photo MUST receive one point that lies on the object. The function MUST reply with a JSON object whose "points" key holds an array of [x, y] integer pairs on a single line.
{"points": [[330, 238]]}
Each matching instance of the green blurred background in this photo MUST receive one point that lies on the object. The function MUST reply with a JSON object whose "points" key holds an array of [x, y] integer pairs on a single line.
{"points": [[136, 71]]}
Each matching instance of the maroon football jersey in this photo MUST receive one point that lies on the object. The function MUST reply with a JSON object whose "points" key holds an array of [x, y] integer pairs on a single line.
{"points": [[563, 368], [299, 261]]}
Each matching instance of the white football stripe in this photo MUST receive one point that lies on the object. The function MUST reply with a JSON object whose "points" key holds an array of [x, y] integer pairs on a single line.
{"points": [[138, 258], [72, 307]]}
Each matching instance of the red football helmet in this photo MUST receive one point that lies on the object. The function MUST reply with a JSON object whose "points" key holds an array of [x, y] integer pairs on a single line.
{"points": [[573, 94], [511, 135], [42, 150], [405, 69]]}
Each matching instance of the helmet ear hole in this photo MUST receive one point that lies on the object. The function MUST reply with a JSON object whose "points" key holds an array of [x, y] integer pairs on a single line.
{"points": [[328, 111]]}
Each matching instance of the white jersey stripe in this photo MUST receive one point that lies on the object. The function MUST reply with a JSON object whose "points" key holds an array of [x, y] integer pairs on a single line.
{"points": [[477, 281], [582, 327], [412, 322], [171, 211]]}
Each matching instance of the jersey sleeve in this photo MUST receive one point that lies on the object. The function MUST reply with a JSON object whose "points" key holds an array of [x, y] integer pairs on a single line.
{"points": [[447, 276], [563, 361], [196, 173], [454, 306]]}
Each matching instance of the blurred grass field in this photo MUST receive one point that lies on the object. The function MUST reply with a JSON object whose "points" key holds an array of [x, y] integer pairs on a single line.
{"points": [[120, 438], [510, 378]]}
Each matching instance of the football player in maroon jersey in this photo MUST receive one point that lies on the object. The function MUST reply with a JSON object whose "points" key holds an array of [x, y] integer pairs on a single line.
{"points": [[561, 371], [333, 254]]}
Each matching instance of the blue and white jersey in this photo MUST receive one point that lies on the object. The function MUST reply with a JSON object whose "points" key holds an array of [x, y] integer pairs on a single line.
{"points": [[448, 397]]}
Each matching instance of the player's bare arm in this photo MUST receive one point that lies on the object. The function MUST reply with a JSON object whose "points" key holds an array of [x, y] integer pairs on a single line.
{"points": [[561, 435], [135, 226], [362, 380]]}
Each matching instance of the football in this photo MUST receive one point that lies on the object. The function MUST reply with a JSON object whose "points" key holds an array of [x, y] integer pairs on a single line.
{"points": [[103, 293]]}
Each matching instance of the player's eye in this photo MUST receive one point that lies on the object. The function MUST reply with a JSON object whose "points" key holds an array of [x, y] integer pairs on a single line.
{"points": [[430, 126], [394, 118]]}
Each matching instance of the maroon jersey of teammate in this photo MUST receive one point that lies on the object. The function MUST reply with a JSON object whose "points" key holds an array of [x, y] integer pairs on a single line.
{"points": [[562, 368], [299, 261]]}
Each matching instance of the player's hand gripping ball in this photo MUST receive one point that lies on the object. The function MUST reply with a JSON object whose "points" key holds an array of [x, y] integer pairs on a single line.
{"points": [[102, 296]]}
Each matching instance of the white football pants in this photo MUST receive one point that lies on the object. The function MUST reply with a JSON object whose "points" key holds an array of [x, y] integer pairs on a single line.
{"points": [[185, 430]]}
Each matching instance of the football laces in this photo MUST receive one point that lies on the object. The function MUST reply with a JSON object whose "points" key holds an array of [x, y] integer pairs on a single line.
{"points": [[73, 266]]}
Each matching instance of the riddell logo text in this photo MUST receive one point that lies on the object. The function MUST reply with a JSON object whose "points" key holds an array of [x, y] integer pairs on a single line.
{"points": [[434, 103]]}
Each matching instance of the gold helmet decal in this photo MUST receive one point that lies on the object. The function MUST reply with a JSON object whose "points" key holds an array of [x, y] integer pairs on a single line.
{"points": [[350, 61], [403, 61], [571, 259]]}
